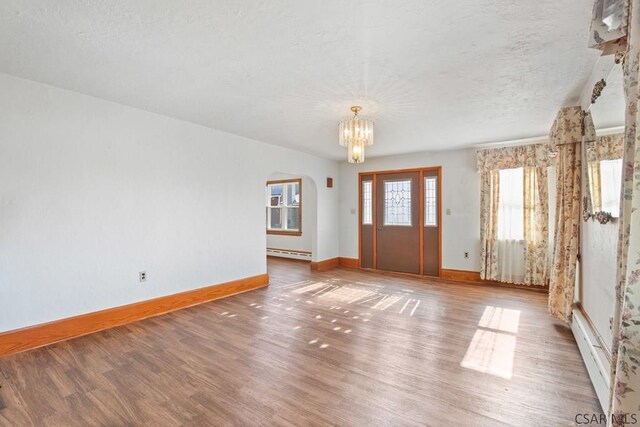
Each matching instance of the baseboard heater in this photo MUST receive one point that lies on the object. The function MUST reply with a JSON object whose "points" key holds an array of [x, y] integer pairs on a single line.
{"points": [[595, 357], [289, 253]]}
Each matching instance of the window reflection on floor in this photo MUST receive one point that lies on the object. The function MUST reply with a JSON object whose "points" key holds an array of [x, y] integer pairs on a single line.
{"points": [[501, 319], [335, 290], [493, 345]]}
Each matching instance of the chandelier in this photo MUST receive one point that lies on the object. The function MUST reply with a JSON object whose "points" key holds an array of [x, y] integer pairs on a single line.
{"points": [[356, 133]]}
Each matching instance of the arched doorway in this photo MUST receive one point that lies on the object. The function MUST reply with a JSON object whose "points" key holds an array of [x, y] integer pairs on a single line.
{"points": [[291, 216]]}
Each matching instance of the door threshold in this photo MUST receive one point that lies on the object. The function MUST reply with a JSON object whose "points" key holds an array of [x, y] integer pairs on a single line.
{"points": [[401, 273]]}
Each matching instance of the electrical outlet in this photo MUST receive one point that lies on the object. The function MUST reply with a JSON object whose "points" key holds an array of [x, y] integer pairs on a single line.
{"points": [[466, 255], [143, 276]]}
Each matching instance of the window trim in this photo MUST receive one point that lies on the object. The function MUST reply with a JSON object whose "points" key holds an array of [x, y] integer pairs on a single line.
{"points": [[283, 232]]}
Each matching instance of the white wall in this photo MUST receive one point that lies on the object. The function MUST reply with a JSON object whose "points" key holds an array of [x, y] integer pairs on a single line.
{"points": [[598, 274], [309, 206], [598, 242], [92, 192], [460, 194], [597, 278]]}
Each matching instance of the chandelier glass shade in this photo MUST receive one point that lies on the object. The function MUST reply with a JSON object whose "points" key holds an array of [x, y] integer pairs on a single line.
{"points": [[356, 133], [355, 152]]}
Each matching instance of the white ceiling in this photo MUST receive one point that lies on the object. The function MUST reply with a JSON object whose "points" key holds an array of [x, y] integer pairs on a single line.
{"points": [[609, 109], [433, 74]]}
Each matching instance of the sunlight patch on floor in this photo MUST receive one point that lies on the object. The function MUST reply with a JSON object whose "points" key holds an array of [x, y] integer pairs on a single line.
{"points": [[491, 353], [492, 348], [500, 319], [345, 294], [311, 287]]}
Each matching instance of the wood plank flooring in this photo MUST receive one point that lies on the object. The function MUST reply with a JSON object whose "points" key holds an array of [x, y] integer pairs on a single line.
{"points": [[342, 347]]}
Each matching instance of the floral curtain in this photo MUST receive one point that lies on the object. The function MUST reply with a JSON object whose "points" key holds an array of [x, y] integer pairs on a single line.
{"points": [[535, 159], [523, 156], [607, 147], [536, 225], [566, 136], [625, 391], [489, 197]]}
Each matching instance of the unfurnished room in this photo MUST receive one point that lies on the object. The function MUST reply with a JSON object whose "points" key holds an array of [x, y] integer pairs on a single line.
{"points": [[271, 213]]}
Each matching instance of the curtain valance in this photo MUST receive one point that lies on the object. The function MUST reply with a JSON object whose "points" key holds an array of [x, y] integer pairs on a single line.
{"points": [[608, 147], [522, 156], [567, 128]]}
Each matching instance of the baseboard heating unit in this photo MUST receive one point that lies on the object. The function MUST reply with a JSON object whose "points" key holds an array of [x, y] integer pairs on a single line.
{"points": [[289, 253]]}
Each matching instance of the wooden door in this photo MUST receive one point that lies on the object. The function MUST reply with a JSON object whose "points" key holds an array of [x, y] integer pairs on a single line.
{"points": [[398, 222]]}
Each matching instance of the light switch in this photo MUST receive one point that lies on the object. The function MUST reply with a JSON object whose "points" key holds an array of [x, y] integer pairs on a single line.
{"points": [[353, 211], [448, 211]]}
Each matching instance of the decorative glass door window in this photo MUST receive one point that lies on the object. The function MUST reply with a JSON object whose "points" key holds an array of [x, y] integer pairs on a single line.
{"points": [[397, 202], [367, 202], [284, 207], [430, 201]]}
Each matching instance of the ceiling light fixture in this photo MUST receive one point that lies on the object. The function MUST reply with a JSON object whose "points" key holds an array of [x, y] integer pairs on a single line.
{"points": [[356, 133]]}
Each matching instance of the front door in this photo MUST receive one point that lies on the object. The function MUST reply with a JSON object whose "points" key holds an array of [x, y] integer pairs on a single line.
{"points": [[397, 222]]}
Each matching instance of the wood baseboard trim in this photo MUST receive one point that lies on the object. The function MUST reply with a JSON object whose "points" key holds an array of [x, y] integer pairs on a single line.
{"points": [[473, 277], [328, 264], [72, 327], [461, 275], [349, 262], [325, 265]]}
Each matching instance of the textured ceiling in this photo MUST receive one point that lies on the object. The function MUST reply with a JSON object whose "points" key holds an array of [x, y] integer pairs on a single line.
{"points": [[609, 109], [432, 74]]}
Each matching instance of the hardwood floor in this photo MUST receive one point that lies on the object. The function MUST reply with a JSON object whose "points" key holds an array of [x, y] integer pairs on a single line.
{"points": [[341, 347]]}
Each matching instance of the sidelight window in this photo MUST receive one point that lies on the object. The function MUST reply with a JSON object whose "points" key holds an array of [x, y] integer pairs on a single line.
{"points": [[367, 202], [431, 201]]}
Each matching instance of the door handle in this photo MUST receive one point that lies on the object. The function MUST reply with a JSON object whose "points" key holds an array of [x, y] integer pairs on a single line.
{"points": [[380, 228]]}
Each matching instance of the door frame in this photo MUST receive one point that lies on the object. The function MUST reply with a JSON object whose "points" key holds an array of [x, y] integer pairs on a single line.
{"points": [[375, 174]]}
